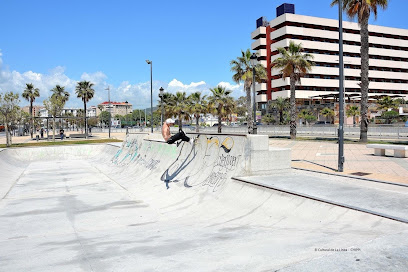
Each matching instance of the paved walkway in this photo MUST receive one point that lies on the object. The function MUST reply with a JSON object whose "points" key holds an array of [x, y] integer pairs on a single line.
{"points": [[359, 160]]}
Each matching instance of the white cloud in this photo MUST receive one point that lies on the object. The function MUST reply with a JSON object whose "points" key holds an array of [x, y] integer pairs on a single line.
{"points": [[137, 94], [177, 86], [237, 89]]}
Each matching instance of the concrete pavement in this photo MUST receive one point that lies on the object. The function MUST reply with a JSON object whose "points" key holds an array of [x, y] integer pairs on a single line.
{"points": [[104, 208], [359, 160]]}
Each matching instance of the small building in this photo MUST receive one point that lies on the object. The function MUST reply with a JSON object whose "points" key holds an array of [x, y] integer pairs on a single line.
{"points": [[116, 108]]}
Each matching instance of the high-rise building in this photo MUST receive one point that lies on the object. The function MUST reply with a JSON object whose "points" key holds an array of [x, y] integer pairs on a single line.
{"points": [[388, 71]]}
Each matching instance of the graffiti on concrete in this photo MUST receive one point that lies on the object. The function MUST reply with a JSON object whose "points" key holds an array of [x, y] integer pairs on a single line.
{"points": [[209, 159]]}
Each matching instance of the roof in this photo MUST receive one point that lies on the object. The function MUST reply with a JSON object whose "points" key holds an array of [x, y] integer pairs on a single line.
{"points": [[115, 103]]}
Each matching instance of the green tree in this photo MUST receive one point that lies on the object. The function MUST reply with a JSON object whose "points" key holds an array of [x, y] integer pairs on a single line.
{"points": [[328, 113], [59, 91], [54, 105], [362, 10], [353, 111], [387, 103], [389, 115], [138, 116], [241, 106], [104, 116], [242, 69], [29, 94], [177, 105], [9, 110], [293, 64], [165, 104], [85, 91], [280, 104], [307, 115], [198, 105], [268, 119], [221, 103]]}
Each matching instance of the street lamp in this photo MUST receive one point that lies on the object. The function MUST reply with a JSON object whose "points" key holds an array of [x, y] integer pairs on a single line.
{"points": [[162, 106], [254, 60], [151, 92], [341, 91], [109, 107], [126, 119]]}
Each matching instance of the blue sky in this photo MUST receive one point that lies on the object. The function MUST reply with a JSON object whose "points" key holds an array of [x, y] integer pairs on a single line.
{"points": [[190, 43]]}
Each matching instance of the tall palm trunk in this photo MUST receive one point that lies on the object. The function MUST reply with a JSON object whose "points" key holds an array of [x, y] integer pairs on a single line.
{"points": [[248, 105], [8, 137], [281, 117], [32, 119], [364, 78], [219, 118], [86, 127], [197, 123], [180, 122], [292, 107], [53, 128]]}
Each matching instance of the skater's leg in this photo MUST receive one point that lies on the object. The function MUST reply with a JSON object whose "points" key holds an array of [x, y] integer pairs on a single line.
{"points": [[175, 138]]}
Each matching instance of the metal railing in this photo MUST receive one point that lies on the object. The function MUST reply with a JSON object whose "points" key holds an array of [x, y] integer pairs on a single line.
{"points": [[374, 131]]}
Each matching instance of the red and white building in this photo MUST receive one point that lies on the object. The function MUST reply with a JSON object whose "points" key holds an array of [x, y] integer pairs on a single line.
{"points": [[388, 52], [117, 108]]}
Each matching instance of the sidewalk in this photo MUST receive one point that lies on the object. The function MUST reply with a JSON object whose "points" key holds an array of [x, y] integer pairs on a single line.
{"points": [[359, 160], [27, 139]]}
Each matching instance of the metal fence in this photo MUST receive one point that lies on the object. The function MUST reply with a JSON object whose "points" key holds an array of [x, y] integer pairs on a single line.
{"points": [[374, 131]]}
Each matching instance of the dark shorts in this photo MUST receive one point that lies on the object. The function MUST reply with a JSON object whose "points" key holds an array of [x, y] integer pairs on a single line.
{"points": [[179, 136]]}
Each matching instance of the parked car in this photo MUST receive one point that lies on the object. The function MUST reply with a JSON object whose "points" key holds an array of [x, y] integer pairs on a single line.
{"points": [[322, 123], [406, 123]]}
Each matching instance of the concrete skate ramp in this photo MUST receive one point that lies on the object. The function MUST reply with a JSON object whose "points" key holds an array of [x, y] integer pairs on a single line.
{"points": [[149, 206]]}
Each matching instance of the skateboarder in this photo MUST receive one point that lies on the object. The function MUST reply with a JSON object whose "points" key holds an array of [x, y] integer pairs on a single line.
{"points": [[172, 139]]}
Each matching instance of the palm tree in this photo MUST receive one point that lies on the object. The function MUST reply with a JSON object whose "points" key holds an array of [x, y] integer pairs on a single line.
{"points": [[59, 91], [281, 104], [387, 103], [165, 104], [353, 111], [293, 64], [242, 69], [362, 10], [328, 113], [178, 106], [30, 93], [85, 91], [198, 105], [221, 103], [307, 115]]}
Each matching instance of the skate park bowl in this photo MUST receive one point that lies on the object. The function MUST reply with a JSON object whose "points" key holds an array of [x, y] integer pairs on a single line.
{"points": [[145, 205]]}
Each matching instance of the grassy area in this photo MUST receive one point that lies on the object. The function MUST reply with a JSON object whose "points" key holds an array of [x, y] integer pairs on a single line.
{"points": [[59, 142]]}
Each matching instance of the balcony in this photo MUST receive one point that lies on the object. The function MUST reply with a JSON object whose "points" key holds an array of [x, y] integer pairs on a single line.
{"points": [[261, 42], [258, 32], [261, 98], [260, 87]]}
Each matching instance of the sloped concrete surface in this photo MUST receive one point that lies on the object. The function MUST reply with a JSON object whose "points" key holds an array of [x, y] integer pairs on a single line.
{"points": [[148, 206]]}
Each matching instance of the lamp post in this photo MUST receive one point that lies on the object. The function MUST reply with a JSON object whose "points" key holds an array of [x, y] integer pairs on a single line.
{"points": [[109, 110], [151, 92], [341, 91], [126, 119], [162, 106], [254, 60]]}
